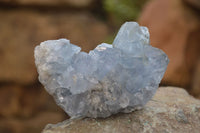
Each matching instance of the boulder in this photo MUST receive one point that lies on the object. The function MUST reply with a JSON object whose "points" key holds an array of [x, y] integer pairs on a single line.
{"points": [[21, 30], [171, 110], [175, 28]]}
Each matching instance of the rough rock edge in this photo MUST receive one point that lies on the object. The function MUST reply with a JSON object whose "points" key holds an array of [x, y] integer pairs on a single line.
{"points": [[171, 110]]}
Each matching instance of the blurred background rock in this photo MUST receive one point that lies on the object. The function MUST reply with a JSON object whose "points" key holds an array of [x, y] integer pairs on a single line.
{"points": [[26, 107]]}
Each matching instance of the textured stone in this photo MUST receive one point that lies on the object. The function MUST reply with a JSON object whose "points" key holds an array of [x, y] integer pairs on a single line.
{"points": [[178, 34], [109, 79], [32, 27], [171, 110]]}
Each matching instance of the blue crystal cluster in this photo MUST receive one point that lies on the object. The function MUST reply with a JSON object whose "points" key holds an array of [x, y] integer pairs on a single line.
{"points": [[112, 78]]}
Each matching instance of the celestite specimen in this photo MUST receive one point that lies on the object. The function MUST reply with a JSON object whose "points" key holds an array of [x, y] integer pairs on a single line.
{"points": [[121, 77]]}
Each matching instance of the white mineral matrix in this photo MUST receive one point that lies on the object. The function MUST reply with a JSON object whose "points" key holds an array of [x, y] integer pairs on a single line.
{"points": [[112, 78]]}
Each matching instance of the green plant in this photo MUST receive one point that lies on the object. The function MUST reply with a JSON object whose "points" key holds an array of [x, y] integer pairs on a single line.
{"points": [[123, 10]]}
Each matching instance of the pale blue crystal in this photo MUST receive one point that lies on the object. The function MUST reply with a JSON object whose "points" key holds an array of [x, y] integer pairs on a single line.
{"points": [[113, 78]]}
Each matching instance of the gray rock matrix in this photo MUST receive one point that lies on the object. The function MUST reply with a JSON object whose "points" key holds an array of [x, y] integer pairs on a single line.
{"points": [[121, 77]]}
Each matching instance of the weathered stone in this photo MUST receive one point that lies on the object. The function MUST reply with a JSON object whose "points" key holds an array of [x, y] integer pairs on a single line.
{"points": [[120, 77], [171, 110], [175, 27], [32, 27]]}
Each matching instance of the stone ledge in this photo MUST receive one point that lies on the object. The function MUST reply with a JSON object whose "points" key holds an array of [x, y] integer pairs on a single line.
{"points": [[171, 110]]}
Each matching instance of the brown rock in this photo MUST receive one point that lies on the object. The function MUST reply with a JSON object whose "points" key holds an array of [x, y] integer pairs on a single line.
{"points": [[175, 28], [196, 81], [171, 110], [194, 3], [22, 30], [25, 101], [73, 3], [31, 125], [9, 101]]}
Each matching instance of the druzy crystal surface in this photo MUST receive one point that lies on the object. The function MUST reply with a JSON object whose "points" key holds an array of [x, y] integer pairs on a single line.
{"points": [[113, 78]]}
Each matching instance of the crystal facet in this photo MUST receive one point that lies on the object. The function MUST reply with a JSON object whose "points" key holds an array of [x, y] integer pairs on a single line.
{"points": [[113, 78]]}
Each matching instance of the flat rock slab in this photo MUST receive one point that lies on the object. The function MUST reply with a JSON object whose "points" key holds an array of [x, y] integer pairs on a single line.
{"points": [[171, 110]]}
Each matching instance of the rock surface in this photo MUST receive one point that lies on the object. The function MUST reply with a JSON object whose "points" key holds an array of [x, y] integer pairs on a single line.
{"points": [[33, 124], [178, 34], [20, 101], [113, 78], [171, 110]]}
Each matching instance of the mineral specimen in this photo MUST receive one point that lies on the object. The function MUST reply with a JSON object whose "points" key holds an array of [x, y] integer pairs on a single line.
{"points": [[113, 78]]}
